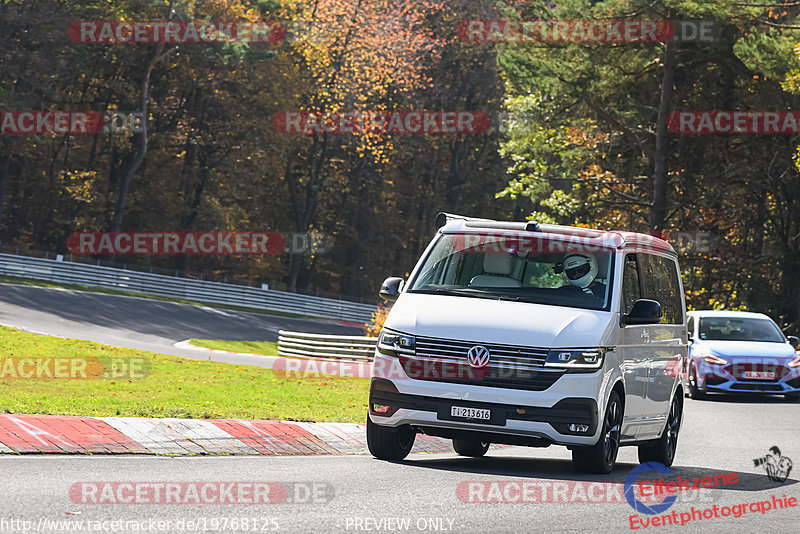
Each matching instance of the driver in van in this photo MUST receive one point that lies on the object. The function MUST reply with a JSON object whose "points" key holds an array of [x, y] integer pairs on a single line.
{"points": [[581, 271]]}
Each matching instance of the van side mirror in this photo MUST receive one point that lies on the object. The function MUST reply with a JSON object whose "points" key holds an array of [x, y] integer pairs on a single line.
{"points": [[391, 288], [644, 311], [794, 341]]}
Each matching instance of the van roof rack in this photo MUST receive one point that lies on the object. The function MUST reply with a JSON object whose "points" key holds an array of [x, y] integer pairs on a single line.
{"points": [[476, 222], [571, 231], [442, 218]]}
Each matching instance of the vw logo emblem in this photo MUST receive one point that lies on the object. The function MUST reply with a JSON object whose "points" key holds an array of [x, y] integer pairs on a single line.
{"points": [[478, 356]]}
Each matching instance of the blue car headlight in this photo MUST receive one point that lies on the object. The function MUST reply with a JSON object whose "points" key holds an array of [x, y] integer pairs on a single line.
{"points": [[709, 357]]}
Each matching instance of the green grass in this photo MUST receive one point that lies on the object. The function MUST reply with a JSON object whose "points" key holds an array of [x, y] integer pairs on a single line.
{"points": [[268, 348], [91, 289], [174, 387]]}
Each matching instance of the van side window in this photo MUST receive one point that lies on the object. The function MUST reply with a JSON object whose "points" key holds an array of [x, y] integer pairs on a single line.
{"points": [[631, 289], [660, 282], [690, 327]]}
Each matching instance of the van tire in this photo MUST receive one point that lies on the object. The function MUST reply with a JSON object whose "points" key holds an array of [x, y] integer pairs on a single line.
{"points": [[602, 456], [387, 443], [469, 447], [664, 448]]}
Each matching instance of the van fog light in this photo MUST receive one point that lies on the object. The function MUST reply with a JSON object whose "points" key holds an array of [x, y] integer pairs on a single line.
{"points": [[578, 428], [380, 408]]}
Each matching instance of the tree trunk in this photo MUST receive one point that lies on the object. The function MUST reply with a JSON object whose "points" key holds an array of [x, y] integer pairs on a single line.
{"points": [[306, 213], [4, 172], [136, 160], [658, 209], [129, 169]]}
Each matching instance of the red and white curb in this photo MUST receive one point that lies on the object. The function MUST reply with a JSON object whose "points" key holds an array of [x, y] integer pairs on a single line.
{"points": [[133, 435]]}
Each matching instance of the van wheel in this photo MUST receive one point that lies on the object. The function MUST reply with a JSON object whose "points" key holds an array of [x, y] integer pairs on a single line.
{"points": [[694, 390], [468, 447], [387, 443], [663, 450], [601, 457]]}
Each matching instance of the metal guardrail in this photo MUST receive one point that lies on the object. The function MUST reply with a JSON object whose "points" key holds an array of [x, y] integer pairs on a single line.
{"points": [[182, 288], [305, 345]]}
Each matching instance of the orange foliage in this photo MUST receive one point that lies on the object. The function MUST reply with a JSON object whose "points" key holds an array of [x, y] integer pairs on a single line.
{"points": [[359, 55], [375, 324]]}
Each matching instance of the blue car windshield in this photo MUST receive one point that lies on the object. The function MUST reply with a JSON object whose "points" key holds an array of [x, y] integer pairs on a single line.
{"points": [[739, 329]]}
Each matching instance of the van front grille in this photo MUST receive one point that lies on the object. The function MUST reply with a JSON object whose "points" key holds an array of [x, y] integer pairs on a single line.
{"points": [[505, 356], [510, 366]]}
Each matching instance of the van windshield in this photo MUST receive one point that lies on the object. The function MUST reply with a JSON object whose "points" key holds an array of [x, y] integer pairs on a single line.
{"points": [[518, 268]]}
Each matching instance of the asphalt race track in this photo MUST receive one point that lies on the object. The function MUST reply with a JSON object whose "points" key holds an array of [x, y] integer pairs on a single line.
{"points": [[356, 493], [143, 323], [718, 437]]}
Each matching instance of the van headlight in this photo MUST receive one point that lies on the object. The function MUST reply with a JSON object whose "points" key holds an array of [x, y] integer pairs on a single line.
{"points": [[393, 343], [575, 358]]}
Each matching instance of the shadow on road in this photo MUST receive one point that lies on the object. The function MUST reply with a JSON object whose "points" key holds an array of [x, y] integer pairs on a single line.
{"points": [[752, 398], [562, 470]]}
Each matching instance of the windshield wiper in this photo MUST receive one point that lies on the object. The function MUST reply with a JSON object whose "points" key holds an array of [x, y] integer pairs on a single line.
{"points": [[476, 292], [459, 292], [438, 291]]}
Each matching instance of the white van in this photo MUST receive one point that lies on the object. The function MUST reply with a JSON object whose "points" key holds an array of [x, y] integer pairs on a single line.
{"points": [[535, 335]]}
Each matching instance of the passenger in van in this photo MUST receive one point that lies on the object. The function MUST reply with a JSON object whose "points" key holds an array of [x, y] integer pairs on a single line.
{"points": [[581, 271]]}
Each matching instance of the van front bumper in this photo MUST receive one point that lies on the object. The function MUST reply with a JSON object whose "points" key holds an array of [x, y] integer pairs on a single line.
{"points": [[509, 424]]}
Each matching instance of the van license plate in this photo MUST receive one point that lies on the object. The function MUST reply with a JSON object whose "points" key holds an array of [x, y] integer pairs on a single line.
{"points": [[470, 413], [760, 375]]}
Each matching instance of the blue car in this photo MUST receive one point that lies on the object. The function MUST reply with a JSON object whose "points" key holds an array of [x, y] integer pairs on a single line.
{"points": [[740, 352]]}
